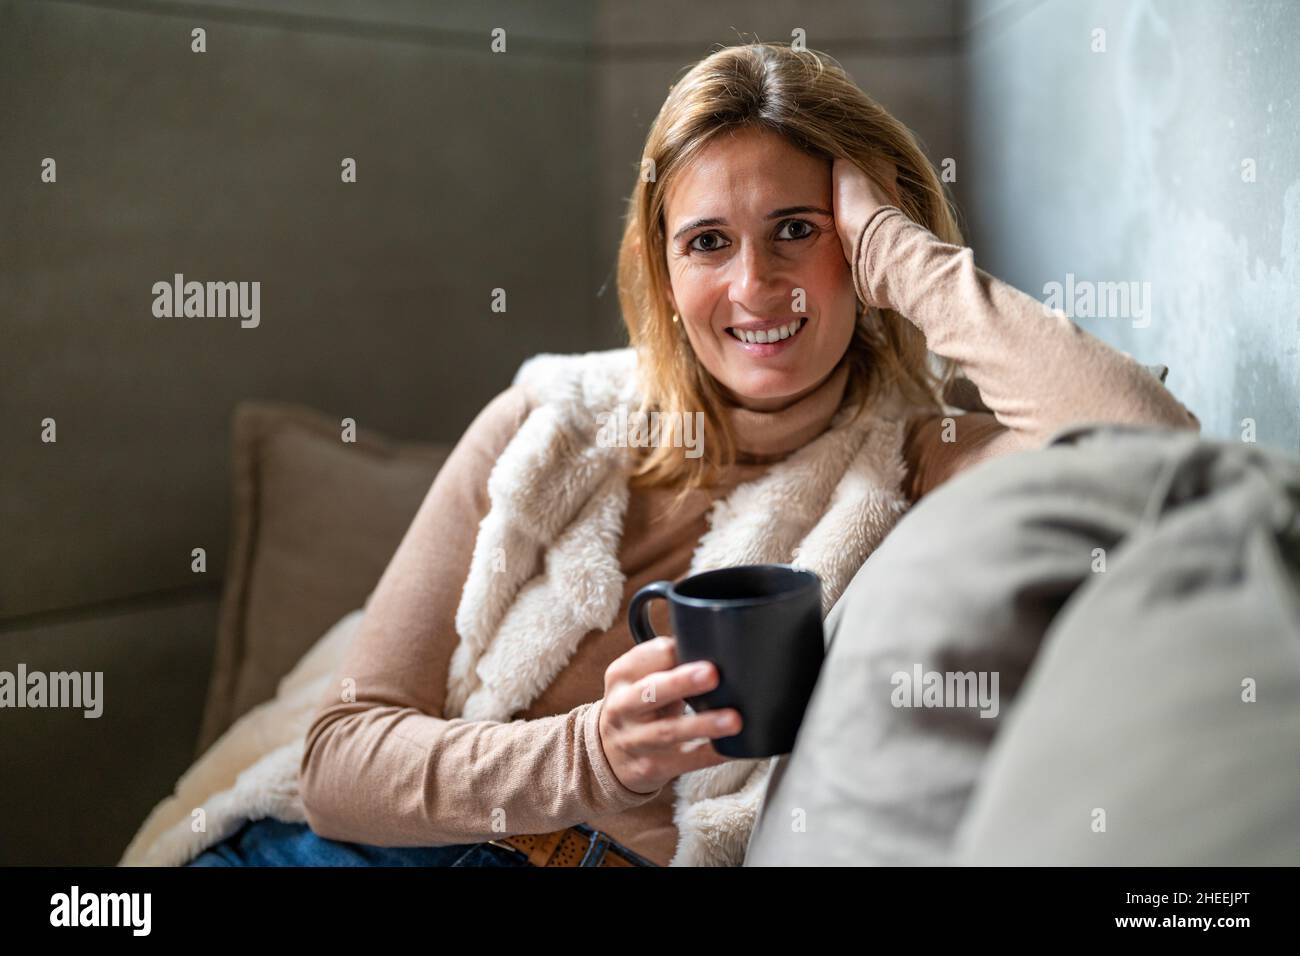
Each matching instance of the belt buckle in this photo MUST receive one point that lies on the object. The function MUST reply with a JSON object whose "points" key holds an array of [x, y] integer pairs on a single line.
{"points": [[510, 847], [596, 840], [535, 854]]}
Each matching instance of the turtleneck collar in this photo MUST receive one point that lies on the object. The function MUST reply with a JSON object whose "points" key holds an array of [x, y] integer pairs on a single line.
{"points": [[762, 435]]}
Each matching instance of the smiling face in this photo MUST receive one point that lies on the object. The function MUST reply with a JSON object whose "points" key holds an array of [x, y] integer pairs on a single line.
{"points": [[749, 225]]}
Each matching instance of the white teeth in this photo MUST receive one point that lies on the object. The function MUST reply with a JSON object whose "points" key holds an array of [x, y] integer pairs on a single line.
{"points": [[766, 336]]}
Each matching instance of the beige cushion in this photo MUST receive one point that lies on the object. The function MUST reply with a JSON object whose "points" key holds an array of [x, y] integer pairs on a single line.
{"points": [[316, 521]]}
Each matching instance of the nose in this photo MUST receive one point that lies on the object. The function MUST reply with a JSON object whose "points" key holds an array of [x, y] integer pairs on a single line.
{"points": [[757, 282]]}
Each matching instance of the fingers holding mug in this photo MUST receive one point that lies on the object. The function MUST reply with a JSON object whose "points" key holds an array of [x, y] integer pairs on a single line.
{"points": [[683, 731], [655, 691], [647, 736]]}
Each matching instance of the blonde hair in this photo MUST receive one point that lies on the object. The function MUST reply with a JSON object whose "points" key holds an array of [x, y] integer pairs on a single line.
{"points": [[806, 97]]}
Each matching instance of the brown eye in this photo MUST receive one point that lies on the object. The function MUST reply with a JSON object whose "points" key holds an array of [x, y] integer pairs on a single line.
{"points": [[705, 235], [804, 224]]}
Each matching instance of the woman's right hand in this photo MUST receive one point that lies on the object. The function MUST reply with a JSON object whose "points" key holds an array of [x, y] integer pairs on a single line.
{"points": [[645, 732]]}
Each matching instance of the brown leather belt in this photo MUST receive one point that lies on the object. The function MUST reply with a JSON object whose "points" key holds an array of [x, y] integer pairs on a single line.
{"points": [[561, 848]]}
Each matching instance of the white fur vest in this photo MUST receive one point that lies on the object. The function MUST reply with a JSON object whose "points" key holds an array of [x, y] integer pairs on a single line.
{"points": [[545, 568]]}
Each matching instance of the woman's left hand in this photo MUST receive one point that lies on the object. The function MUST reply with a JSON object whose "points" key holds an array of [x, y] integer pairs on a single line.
{"points": [[856, 196]]}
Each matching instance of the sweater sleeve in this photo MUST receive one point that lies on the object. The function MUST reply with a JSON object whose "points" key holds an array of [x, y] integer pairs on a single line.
{"points": [[380, 764], [1037, 371]]}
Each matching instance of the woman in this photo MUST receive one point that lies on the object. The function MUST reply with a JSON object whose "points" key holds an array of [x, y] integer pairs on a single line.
{"points": [[788, 256]]}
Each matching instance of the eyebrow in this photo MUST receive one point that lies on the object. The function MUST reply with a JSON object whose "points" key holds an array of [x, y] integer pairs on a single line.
{"points": [[774, 214]]}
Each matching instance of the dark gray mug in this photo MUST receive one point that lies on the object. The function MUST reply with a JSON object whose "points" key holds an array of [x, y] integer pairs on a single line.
{"points": [[761, 626]]}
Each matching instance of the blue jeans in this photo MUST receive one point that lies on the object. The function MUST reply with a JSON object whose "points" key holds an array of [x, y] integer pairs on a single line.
{"points": [[270, 842]]}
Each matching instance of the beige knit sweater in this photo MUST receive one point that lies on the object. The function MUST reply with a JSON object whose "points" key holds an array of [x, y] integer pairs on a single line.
{"points": [[388, 769]]}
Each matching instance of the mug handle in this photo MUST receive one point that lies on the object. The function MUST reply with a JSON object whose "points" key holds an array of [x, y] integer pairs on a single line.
{"points": [[638, 614]]}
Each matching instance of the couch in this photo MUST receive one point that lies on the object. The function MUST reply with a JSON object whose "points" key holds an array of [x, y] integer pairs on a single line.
{"points": [[315, 522]]}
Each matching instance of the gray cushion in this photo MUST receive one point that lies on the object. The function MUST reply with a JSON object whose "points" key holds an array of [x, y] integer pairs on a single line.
{"points": [[968, 581], [1135, 706]]}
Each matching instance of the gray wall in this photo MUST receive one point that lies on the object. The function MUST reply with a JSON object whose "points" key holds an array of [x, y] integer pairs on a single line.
{"points": [[472, 172], [1126, 165]]}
